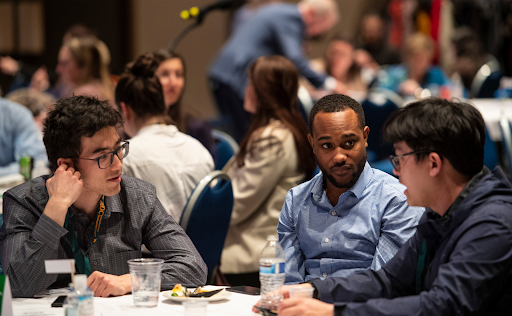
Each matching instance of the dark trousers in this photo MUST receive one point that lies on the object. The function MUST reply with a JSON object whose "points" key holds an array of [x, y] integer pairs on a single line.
{"points": [[231, 108]]}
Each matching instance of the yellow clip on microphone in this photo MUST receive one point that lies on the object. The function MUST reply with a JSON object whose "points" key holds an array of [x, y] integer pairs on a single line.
{"points": [[194, 11], [185, 15]]}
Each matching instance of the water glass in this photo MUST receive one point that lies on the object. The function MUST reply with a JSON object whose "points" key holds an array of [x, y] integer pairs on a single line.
{"points": [[195, 307], [146, 276], [301, 291]]}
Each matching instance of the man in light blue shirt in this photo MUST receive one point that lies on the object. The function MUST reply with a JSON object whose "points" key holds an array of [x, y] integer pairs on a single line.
{"points": [[18, 137], [349, 217]]}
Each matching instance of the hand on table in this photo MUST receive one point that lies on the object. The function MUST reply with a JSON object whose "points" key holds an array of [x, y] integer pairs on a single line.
{"points": [[409, 87], [64, 188], [304, 307], [104, 285], [285, 291], [340, 88]]}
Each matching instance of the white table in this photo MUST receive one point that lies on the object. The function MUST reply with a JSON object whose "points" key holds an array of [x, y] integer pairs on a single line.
{"points": [[492, 111], [236, 305]]}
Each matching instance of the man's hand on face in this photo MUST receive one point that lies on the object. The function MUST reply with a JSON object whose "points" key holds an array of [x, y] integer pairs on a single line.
{"points": [[64, 188], [304, 307], [104, 285]]}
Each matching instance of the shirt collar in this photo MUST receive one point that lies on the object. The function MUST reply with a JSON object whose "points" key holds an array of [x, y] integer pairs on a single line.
{"points": [[155, 128], [357, 189]]}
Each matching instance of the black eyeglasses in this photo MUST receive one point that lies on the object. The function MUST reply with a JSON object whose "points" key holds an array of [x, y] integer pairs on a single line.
{"points": [[106, 160], [395, 160]]}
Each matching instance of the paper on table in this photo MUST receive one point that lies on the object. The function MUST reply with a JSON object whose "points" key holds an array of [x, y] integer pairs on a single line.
{"points": [[60, 266]]}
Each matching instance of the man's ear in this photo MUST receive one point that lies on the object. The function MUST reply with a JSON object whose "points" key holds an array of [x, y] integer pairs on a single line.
{"points": [[435, 164], [65, 161], [366, 132], [310, 139]]}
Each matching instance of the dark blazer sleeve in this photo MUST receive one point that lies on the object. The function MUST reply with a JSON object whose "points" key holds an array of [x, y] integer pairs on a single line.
{"points": [[469, 281], [167, 240]]}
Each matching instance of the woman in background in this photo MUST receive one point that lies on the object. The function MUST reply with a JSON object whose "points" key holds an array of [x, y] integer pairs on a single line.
{"points": [[266, 167], [172, 74], [417, 72], [83, 68], [160, 154]]}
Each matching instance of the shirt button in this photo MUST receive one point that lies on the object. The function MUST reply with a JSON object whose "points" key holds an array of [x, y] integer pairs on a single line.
{"points": [[326, 239], [333, 213], [325, 275]]}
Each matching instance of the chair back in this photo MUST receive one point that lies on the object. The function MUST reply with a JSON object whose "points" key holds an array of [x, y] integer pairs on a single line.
{"points": [[206, 217], [377, 108], [486, 80], [506, 137], [491, 157], [226, 147]]}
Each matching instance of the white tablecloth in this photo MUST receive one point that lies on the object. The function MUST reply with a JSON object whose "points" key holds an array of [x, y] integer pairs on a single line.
{"points": [[492, 111], [236, 305]]}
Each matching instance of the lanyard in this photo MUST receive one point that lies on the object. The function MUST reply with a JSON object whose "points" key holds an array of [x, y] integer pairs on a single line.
{"points": [[421, 266], [82, 262]]}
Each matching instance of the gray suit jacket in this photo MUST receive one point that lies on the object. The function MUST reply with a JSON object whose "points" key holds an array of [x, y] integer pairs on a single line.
{"points": [[132, 218]]}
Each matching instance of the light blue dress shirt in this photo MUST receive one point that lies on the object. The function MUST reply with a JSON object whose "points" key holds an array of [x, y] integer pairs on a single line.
{"points": [[364, 230], [19, 136]]}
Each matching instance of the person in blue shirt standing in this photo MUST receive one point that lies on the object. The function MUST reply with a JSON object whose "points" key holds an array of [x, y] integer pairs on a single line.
{"points": [[19, 137], [350, 217], [276, 29]]}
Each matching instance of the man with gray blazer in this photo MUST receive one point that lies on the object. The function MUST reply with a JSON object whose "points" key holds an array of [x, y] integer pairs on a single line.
{"points": [[87, 211]]}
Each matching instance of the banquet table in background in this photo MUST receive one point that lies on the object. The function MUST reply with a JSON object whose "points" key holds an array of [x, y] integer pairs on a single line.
{"points": [[235, 305], [492, 111]]}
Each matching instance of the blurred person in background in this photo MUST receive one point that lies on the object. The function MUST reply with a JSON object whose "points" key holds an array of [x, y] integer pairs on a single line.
{"points": [[417, 72], [38, 102], [470, 58], [83, 68], [26, 75], [246, 11], [373, 39], [266, 167], [19, 137], [339, 63], [172, 74], [275, 29], [159, 153]]}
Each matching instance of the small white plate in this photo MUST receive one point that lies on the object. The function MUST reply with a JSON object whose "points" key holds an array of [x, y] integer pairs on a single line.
{"points": [[222, 295]]}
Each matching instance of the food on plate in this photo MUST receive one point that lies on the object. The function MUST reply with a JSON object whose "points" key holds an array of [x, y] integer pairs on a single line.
{"points": [[179, 290]]}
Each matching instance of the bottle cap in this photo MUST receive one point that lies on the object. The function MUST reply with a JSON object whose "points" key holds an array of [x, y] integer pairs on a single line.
{"points": [[80, 282], [272, 238]]}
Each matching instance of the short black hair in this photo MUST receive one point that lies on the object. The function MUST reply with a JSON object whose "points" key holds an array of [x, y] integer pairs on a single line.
{"points": [[71, 119], [336, 103], [140, 89], [454, 130]]}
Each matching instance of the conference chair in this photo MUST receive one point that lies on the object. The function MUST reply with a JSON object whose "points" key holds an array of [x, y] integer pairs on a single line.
{"points": [[506, 137], [206, 218], [486, 80], [491, 157], [378, 106], [226, 147]]}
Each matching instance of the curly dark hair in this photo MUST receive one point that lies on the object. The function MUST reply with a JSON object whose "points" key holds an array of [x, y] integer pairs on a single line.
{"points": [[71, 119], [336, 103], [140, 89]]}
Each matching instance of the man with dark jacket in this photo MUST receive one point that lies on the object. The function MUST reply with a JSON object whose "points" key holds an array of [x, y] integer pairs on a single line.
{"points": [[459, 262]]}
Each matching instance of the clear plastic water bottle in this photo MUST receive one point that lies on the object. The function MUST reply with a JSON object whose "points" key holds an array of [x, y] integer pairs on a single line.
{"points": [[80, 301], [271, 273]]}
